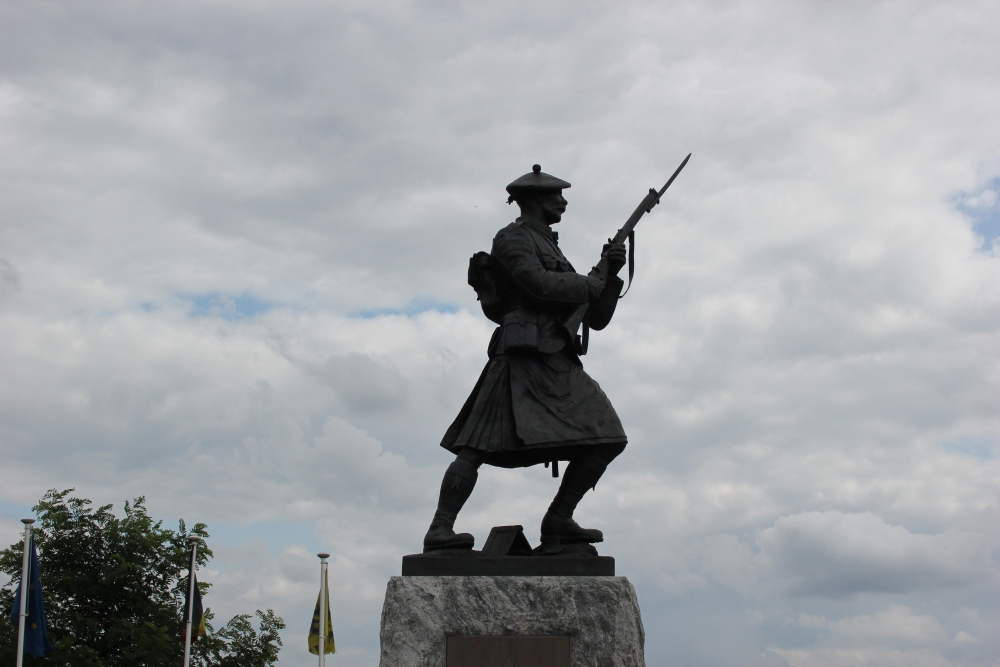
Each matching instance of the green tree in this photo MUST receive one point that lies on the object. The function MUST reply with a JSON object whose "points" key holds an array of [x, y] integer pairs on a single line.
{"points": [[114, 594], [239, 645]]}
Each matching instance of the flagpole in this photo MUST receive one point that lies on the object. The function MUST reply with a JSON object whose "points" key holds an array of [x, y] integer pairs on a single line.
{"points": [[193, 540], [322, 608], [23, 611]]}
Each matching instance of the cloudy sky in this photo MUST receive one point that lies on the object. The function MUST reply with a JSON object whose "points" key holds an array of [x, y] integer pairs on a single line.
{"points": [[233, 245]]}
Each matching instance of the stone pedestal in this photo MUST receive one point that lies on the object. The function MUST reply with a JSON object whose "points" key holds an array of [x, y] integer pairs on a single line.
{"points": [[599, 615]]}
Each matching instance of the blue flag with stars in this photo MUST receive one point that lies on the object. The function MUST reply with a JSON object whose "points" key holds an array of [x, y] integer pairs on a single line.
{"points": [[36, 636]]}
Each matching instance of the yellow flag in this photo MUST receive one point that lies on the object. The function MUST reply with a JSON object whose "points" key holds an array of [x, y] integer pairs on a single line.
{"points": [[328, 646], [198, 619]]}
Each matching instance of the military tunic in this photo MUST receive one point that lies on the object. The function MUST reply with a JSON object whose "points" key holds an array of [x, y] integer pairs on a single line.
{"points": [[533, 401]]}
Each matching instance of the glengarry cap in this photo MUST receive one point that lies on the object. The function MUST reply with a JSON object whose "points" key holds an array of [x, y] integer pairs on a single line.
{"points": [[535, 181]]}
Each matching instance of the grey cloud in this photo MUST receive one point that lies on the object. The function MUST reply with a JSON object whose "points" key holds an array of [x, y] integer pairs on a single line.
{"points": [[10, 279], [364, 384], [836, 554]]}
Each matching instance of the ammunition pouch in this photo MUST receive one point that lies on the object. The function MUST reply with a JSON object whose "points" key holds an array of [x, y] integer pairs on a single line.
{"points": [[520, 330]]}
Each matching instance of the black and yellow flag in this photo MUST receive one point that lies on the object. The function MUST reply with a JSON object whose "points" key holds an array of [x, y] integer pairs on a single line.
{"points": [[328, 646], [198, 619]]}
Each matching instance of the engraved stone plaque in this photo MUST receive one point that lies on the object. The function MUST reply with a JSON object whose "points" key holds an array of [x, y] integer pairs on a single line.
{"points": [[508, 651]]}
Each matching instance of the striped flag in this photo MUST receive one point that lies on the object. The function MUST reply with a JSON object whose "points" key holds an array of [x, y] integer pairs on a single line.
{"points": [[329, 646], [198, 620]]}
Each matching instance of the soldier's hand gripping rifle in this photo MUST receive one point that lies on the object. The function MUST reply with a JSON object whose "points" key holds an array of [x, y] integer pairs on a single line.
{"points": [[627, 231]]}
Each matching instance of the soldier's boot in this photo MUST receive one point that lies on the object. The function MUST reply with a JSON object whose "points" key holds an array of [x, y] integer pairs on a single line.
{"points": [[558, 526], [456, 487]]}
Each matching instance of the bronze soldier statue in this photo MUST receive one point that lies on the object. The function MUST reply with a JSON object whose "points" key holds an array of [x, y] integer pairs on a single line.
{"points": [[533, 402]]}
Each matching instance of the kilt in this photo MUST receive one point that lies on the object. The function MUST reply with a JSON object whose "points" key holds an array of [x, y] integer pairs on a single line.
{"points": [[529, 408]]}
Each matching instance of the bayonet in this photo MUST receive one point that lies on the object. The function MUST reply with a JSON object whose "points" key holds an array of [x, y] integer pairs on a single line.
{"points": [[651, 199]]}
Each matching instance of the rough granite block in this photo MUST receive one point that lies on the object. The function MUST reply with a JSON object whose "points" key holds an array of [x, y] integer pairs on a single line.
{"points": [[600, 615]]}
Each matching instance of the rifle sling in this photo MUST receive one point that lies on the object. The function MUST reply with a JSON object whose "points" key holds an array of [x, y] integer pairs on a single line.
{"points": [[584, 342], [631, 262]]}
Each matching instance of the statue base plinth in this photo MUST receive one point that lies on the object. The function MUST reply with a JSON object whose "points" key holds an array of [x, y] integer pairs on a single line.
{"points": [[487, 621], [508, 554]]}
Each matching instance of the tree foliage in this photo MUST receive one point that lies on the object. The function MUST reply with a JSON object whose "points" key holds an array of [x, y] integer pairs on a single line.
{"points": [[239, 645], [114, 592]]}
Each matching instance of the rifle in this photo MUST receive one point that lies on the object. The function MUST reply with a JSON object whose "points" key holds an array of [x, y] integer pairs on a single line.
{"points": [[627, 231]]}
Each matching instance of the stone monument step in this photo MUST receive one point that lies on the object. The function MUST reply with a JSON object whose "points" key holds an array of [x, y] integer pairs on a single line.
{"points": [[502, 621], [469, 563]]}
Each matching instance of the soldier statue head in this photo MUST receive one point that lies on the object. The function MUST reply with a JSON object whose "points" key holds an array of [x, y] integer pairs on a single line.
{"points": [[539, 195]]}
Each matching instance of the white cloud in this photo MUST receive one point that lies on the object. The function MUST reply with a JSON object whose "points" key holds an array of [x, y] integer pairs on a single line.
{"points": [[897, 623], [893, 636]]}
